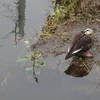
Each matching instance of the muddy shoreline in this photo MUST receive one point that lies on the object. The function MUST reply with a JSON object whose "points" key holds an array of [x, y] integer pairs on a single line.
{"points": [[55, 38]]}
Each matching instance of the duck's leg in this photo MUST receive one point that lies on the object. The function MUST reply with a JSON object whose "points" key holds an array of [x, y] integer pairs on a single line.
{"points": [[85, 54]]}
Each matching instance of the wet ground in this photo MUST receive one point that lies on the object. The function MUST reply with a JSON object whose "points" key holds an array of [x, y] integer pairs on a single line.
{"points": [[58, 80]]}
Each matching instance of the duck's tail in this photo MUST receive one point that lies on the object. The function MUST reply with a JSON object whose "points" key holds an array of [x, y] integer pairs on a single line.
{"points": [[68, 56]]}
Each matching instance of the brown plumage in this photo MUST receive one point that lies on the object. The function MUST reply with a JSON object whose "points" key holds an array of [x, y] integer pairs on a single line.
{"points": [[80, 43]]}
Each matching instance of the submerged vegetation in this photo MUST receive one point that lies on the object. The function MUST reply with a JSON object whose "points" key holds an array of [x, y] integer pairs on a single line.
{"points": [[37, 62]]}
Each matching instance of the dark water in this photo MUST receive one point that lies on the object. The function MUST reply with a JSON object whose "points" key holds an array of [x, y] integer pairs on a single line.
{"points": [[17, 19]]}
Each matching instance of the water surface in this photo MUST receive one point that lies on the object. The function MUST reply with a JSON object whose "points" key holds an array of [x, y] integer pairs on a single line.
{"points": [[17, 19]]}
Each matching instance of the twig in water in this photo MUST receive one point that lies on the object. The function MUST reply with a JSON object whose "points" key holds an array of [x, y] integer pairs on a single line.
{"points": [[36, 79]]}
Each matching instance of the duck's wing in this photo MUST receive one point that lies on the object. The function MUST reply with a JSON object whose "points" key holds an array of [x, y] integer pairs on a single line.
{"points": [[75, 39], [78, 44]]}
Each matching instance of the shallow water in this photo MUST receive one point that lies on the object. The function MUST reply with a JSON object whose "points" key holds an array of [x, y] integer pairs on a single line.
{"points": [[17, 21]]}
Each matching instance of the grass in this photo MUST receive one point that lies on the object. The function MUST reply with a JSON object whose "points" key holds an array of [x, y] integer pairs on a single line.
{"points": [[69, 12]]}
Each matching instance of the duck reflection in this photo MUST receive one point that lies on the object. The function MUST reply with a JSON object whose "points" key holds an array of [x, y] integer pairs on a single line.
{"points": [[79, 68]]}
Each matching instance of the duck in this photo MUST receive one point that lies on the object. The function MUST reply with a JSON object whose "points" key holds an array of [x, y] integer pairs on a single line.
{"points": [[80, 44]]}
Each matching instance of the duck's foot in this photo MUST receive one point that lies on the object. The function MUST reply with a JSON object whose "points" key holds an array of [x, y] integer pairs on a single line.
{"points": [[85, 54]]}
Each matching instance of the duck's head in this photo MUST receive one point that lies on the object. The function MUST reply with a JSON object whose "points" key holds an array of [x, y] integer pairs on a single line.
{"points": [[88, 31]]}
